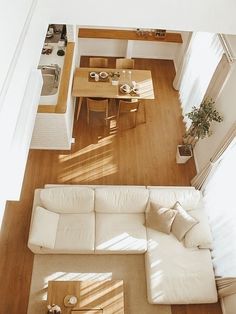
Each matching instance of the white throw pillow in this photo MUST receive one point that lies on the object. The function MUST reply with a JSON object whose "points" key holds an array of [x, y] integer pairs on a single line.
{"points": [[200, 234], [68, 200], [160, 218], [182, 223], [44, 228]]}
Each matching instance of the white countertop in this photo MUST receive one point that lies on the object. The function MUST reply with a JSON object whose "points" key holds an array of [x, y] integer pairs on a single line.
{"points": [[52, 58]]}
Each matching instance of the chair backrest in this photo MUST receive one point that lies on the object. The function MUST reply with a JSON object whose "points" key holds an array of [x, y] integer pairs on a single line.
{"points": [[98, 62], [97, 105], [124, 63], [128, 106]]}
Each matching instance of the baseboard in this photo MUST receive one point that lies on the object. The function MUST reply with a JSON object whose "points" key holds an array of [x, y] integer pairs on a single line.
{"points": [[51, 148]]}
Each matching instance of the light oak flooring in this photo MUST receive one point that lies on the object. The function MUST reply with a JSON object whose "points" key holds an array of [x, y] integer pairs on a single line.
{"points": [[144, 155]]}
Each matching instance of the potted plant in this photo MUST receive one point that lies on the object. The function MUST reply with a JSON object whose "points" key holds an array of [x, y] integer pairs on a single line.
{"points": [[201, 119], [184, 153]]}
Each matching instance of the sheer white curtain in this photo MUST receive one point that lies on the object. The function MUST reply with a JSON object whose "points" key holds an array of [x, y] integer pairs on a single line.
{"points": [[220, 199], [203, 55], [201, 179]]}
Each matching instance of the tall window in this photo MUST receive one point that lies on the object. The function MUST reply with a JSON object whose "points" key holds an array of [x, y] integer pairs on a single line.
{"points": [[203, 55], [219, 195]]}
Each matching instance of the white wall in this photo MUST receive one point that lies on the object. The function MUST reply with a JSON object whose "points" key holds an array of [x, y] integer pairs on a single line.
{"points": [[27, 60], [22, 38], [211, 15], [155, 50], [226, 106], [102, 47], [118, 48], [12, 22], [20, 143], [182, 50]]}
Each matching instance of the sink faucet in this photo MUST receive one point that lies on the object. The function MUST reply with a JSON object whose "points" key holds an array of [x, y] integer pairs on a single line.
{"points": [[57, 71]]}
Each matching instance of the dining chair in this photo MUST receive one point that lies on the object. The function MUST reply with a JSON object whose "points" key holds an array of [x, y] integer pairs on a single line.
{"points": [[97, 105], [128, 107], [124, 63], [98, 62]]}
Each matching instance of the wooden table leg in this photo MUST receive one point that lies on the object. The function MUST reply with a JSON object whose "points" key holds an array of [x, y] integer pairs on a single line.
{"points": [[79, 107], [144, 111]]}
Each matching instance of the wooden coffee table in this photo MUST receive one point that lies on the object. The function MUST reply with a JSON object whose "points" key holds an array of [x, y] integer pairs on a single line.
{"points": [[94, 297]]}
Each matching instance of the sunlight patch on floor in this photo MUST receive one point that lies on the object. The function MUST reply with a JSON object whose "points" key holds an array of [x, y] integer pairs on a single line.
{"points": [[88, 149], [89, 163], [90, 170]]}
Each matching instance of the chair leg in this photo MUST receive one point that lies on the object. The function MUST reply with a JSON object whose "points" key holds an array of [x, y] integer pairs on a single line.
{"points": [[79, 107], [87, 115], [118, 116], [106, 116], [136, 112], [144, 112], [135, 118]]}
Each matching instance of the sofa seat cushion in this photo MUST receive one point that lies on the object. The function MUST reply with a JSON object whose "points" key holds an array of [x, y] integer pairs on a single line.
{"points": [[177, 275], [68, 200], [120, 233], [75, 233], [123, 199]]}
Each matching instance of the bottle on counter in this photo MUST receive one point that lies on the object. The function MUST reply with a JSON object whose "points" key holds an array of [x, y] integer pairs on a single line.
{"points": [[123, 77], [129, 78]]}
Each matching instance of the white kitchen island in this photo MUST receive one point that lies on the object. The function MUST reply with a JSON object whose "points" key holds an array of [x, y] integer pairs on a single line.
{"points": [[54, 120]]}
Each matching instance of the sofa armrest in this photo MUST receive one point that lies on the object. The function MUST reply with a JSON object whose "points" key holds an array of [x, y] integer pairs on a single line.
{"points": [[44, 228]]}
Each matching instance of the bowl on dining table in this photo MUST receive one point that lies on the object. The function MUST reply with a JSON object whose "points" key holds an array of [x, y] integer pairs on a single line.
{"points": [[103, 75], [92, 74], [125, 88]]}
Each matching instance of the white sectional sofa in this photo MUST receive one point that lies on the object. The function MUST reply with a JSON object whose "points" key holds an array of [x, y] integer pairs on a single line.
{"points": [[111, 220]]}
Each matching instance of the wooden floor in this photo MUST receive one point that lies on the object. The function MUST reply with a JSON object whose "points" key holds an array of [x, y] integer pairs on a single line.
{"points": [[144, 155]]}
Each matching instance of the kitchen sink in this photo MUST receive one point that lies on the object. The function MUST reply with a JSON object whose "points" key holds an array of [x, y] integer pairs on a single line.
{"points": [[51, 77]]}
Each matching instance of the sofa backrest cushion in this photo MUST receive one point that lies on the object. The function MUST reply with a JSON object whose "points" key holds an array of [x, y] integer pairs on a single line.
{"points": [[189, 198], [44, 228], [121, 200], [68, 200]]}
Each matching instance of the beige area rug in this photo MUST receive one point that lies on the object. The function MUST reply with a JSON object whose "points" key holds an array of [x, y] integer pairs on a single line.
{"points": [[129, 268]]}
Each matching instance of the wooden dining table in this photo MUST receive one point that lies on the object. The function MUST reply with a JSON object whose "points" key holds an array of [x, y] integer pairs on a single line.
{"points": [[85, 86]]}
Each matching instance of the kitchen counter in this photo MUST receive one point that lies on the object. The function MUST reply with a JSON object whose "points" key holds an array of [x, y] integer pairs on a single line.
{"points": [[54, 122], [57, 103], [52, 58]]}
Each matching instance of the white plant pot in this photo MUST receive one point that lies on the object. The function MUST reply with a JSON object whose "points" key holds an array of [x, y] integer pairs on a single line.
{"points": [[182, 159]]}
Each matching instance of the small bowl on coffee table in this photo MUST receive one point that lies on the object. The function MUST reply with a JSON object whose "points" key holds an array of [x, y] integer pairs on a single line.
{"points": [[70, 300]]}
